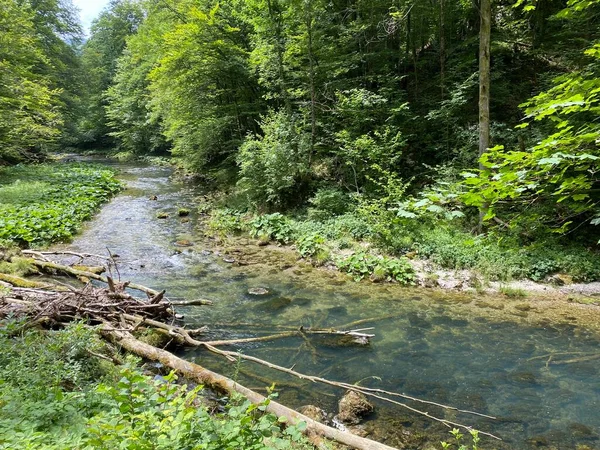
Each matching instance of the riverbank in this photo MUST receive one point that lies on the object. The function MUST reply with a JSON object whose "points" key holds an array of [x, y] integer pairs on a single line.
{"points": [[69, 389], [47, 203], [347, 244]]}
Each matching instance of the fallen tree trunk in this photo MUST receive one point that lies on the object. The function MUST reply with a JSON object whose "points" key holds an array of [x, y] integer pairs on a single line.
{"points": [[206, 377]]}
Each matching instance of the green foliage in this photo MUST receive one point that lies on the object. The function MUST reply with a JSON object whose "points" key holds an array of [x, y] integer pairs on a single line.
{"points": [[100, 56], [458, 438], [145, 414], [201, 89], [30, 117], [561, 169], [328, 202], [64, 196], [46, 387], [363, 264], [309, 245], [272, 165], [54, 395], [226, 221], [274, 226]]}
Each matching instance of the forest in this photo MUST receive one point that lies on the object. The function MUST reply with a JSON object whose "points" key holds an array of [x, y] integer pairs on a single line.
{"points": [[479, 119]]}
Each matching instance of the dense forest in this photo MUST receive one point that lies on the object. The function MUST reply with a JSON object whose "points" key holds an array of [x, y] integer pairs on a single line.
{"points": [[481, 118]]}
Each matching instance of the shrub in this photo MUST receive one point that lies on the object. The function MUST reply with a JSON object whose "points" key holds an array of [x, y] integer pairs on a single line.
{"points": [[275, 226], [309, 245], [328, 202], [160, 414], [54, 394], [361, 264], [271, 165]]}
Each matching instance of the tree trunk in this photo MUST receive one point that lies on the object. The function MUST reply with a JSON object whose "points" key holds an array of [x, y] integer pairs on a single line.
{"points": [[485, 31], [442, 48], [309, 13]]}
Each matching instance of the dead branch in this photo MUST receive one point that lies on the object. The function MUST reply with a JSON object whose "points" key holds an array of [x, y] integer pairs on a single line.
{"points": [[352, 387], [79, 255], [196, 302], [52, 266]]}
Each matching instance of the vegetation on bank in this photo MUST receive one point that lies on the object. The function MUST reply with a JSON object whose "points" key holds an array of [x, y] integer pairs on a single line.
{"points": [[46, 203], [57, 393], [367, 242]]}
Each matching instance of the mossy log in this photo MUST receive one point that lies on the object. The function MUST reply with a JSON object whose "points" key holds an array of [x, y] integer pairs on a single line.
{"points": [[206, 377], [23, 282]]}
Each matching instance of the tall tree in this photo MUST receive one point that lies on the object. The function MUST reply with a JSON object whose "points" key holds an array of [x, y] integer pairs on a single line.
{"points": [[30, 116], [99, 57]]}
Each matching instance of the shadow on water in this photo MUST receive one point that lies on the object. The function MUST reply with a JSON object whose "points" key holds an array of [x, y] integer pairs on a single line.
{"points": [[438, 350]]}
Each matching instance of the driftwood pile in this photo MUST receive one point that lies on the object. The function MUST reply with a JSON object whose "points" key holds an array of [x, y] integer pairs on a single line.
{"points": [[90, 303], [110, 306]]}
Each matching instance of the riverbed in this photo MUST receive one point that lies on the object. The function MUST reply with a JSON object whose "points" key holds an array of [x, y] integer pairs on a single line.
{"points": [[531, 364]]}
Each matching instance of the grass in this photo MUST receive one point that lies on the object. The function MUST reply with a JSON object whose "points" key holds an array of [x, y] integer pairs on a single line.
{"points": [[512, 292], [47, 203]]}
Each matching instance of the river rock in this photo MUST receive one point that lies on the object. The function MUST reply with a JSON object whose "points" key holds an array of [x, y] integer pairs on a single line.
{"points": [[314, 412], [228, 259], [276, 304], [184, 243], [352, 407], [258, 291], [559, 279]]}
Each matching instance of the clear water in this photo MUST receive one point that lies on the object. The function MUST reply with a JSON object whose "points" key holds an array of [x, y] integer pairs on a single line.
{"points": [[430, 346]]}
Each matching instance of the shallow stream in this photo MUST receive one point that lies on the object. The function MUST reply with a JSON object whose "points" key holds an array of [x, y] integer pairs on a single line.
{"points": [[540, 379]]}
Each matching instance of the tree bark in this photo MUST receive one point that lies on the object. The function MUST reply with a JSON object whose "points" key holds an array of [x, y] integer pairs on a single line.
{"points": [[485, 31], [484, 76]]}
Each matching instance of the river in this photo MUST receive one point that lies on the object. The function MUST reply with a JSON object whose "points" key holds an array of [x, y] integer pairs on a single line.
{"points": [[462, 351]]}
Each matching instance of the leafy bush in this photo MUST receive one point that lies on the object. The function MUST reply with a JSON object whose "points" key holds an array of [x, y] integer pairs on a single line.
{"points": [[362, 264], [224, 221], [272, 165], [160, 414], [329, 202], [274, 226], [54, 394], [47, 203], [309, 245]]}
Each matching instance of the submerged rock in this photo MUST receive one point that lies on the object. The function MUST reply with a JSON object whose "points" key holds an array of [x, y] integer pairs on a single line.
{"points": [[314, 412], [276, 304], [258, 291], [352, 407]]}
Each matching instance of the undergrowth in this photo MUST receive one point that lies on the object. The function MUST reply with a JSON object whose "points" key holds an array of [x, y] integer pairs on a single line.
{"points": [[46, 203], [367, 239], [55, 394]]}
